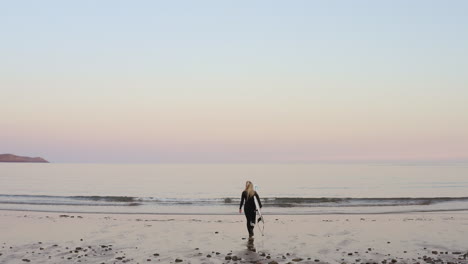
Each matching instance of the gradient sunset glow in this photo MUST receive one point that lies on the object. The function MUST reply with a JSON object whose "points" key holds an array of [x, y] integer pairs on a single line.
{"points": [[244, 81]]}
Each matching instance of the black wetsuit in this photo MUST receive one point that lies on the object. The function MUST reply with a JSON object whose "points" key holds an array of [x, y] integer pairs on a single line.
{"points": [[249, 210]]}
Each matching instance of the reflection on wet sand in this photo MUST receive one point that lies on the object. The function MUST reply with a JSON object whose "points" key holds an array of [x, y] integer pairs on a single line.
{"points": [[251, 246]]}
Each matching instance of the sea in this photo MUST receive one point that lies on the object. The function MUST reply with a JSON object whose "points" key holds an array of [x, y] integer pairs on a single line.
{"points": [[303, 189]]}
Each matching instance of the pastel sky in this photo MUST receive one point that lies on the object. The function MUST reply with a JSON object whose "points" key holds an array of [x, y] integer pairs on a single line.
{"points": [[234, 81]]}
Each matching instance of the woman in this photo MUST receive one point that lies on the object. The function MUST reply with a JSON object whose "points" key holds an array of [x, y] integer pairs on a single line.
{"points": [[248, 195]]}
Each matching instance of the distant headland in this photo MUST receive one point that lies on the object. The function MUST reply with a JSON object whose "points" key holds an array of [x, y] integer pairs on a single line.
{"points": [[14, 158]]}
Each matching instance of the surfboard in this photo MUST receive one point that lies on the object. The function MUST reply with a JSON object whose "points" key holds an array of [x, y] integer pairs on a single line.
{"points": [[261, 219]]}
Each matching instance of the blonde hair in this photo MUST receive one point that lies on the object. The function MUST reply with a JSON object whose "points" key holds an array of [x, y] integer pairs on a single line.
{"points": [[249, 189]]}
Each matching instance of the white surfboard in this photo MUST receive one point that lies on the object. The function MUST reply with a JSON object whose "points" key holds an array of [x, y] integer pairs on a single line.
{"points": [[261, 220]]}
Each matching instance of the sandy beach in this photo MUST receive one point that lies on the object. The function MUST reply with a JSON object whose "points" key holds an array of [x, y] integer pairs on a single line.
{"points": [[39, 237]]}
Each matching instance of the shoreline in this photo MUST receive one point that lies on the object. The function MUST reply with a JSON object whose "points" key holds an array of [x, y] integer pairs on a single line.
{"points": [[404, 238], [441, 211]]}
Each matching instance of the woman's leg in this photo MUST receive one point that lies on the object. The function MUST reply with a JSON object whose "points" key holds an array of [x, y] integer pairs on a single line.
{"points": [[247, 218], [250, 215]]}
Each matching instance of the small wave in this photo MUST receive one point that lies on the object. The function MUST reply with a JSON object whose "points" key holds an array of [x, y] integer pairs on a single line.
{"points": [[357, 202], [69, 200], [92, 197], [106, 198], [69, 204], [226, 201]]}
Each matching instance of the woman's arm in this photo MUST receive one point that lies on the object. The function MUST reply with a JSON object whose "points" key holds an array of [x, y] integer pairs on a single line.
{"points": [[258, 199], [241, 203]]}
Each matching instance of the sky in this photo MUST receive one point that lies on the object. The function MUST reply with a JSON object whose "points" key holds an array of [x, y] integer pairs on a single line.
{"points": [[234, 81]]}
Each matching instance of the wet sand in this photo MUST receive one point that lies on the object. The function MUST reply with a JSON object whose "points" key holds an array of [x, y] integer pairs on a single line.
{"points": [[94, 238]]}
